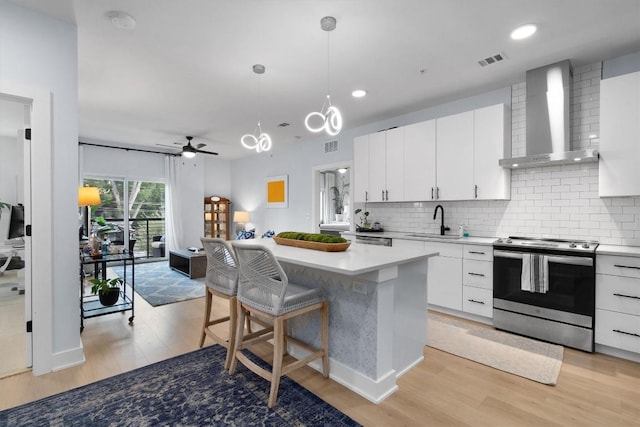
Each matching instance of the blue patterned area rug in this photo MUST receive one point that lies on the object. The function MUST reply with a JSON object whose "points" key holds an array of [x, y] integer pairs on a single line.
{"points": [[188, 390], [158, 284]]}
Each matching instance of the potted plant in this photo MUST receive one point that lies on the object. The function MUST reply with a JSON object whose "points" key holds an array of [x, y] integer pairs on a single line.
{"points": [[364, 218], [108, 290], [338, 199], [4, 205]]}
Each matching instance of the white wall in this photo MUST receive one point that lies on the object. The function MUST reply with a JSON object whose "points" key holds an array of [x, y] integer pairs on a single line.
{"points": [[40, 52], [217, 176]]}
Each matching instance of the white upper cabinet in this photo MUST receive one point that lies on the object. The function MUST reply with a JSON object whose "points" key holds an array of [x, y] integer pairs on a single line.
{"points": [[491, 142], [449, 158], [385, 151], [620, 136], [395, 148], [361, 169], [420, 161], [454, 154], [377, 166]]}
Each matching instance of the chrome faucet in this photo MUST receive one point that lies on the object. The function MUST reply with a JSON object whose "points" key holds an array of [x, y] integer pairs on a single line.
{"points": [[442, 227]]}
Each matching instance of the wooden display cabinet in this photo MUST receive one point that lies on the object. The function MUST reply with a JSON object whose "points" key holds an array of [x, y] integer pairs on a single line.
{"points": [[217, 221]]}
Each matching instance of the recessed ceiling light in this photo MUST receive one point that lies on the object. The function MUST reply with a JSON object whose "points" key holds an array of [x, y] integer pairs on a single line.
{"points": [[121, 20], [359, 93], [523, 32]]}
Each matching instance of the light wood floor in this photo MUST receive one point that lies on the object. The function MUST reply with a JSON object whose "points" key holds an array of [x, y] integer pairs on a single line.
{"points": [[444, 390]]}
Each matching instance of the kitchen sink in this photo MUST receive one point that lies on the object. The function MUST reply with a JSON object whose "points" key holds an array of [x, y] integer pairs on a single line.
{"points": [[433, 236]]}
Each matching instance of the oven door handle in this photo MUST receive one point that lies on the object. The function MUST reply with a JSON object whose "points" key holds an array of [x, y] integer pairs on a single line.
{"points": [[557, 259]]}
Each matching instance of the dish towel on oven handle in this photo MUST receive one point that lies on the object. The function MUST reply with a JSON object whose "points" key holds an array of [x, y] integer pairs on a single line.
{"points": [[535, 273]]}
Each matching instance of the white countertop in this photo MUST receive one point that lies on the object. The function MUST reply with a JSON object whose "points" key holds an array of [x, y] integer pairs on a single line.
{"points": [[357, 259], [618, 250], [407, 236]]}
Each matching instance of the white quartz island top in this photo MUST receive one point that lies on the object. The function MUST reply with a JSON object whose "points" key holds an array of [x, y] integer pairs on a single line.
{"points": [[357, 259]]}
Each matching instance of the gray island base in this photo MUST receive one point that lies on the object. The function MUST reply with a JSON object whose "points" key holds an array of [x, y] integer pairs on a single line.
{"points": [[377, 311]]}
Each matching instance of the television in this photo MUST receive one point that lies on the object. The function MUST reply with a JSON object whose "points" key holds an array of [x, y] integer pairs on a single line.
{"points": [[16, 222]]}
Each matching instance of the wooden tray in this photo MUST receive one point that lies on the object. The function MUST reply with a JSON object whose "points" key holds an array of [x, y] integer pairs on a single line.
{"points": [[318, 246]]}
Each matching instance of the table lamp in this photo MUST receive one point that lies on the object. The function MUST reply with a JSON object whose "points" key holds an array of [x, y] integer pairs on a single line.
{"points": [[240, 217], [87, 196]]}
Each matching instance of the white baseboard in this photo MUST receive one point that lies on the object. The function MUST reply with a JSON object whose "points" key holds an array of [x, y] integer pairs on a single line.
{"points": [[68, 358], [373, 390]]}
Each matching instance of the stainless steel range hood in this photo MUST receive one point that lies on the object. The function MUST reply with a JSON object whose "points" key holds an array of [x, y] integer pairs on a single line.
{"points": [[548, 123]]}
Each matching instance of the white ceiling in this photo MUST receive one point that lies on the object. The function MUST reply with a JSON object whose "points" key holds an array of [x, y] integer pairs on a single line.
{"points": [[186, 68]]}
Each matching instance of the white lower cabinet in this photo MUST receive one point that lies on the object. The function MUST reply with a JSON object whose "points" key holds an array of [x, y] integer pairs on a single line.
{"points": [[477, 280], [444, 277], [460, 278], [618, 302]]}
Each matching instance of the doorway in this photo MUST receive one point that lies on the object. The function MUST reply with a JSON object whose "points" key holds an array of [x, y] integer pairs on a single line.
{"points": [[332, 202], [15, 289]]}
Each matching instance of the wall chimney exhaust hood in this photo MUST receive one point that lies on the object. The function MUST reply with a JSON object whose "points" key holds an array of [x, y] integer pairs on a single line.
{"points": [[548, 102]]}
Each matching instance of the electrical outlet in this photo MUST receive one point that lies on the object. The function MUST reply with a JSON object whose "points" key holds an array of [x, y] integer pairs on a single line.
{"points": [[359, 287]]}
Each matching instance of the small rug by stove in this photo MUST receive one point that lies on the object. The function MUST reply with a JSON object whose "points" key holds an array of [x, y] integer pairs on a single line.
{"points": [[525, 357], [158, 284], [188, 390]]}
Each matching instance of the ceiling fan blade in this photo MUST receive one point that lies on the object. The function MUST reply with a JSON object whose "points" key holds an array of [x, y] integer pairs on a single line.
{"points": [[165, 145], [202, 144], [207, 152]]}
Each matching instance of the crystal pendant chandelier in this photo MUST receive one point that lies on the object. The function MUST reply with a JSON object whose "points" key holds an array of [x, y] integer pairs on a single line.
{"points": [[328, 118], [257, 140]]}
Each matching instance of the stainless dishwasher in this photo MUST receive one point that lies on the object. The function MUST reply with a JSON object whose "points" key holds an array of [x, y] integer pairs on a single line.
{"points": [[370, 240]]}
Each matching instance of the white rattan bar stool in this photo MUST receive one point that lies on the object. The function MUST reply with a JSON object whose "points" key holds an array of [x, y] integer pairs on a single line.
{"points": [[221, 281], [265, 291]]}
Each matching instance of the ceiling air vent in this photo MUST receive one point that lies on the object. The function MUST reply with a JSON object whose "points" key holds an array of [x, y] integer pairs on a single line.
{"points": [[330, 146], [492, 59]]}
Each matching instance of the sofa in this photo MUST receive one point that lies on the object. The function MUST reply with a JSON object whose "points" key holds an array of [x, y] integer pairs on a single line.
{"points": [[157, 245]]}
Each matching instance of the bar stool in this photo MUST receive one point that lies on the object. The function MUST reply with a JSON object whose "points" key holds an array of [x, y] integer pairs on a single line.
{"points": [[265, 291], [221, 281]]}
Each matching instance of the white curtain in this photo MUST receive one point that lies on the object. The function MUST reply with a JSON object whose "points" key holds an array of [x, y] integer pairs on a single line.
{"points": [[173, 214]]}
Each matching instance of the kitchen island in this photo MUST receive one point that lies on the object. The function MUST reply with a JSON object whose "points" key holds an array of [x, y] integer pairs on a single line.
{"points": [[377, 317]]}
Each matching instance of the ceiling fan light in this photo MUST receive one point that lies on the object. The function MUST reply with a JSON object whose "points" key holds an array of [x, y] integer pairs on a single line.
{"points": [[188, 154]]}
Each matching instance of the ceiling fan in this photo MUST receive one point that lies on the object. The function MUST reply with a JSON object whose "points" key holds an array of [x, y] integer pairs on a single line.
{"points": [[189, 151]]}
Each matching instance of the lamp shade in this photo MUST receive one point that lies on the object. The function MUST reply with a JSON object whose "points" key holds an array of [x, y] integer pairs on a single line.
{"points": [[241, 217], [88, 196]]}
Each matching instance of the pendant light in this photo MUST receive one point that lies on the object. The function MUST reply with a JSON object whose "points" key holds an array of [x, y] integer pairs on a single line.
{"points": [[328, 118], [257, 140]]}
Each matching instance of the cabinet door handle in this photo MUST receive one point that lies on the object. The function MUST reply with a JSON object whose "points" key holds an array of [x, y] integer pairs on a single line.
{"points": [[431, 193], [366, 196], [382, 194], [626, 296], [386, 195], [477, 302], [475, 191], [626, 266], [626, 333], [476, 274], [476, 252], [437, 192]]}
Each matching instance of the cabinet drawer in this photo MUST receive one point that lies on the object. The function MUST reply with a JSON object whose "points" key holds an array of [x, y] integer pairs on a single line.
{"points": [[477, 273], [618, 330], [481, 253], [627, 266], [616, 293], [477, 301], [452, 250]]}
